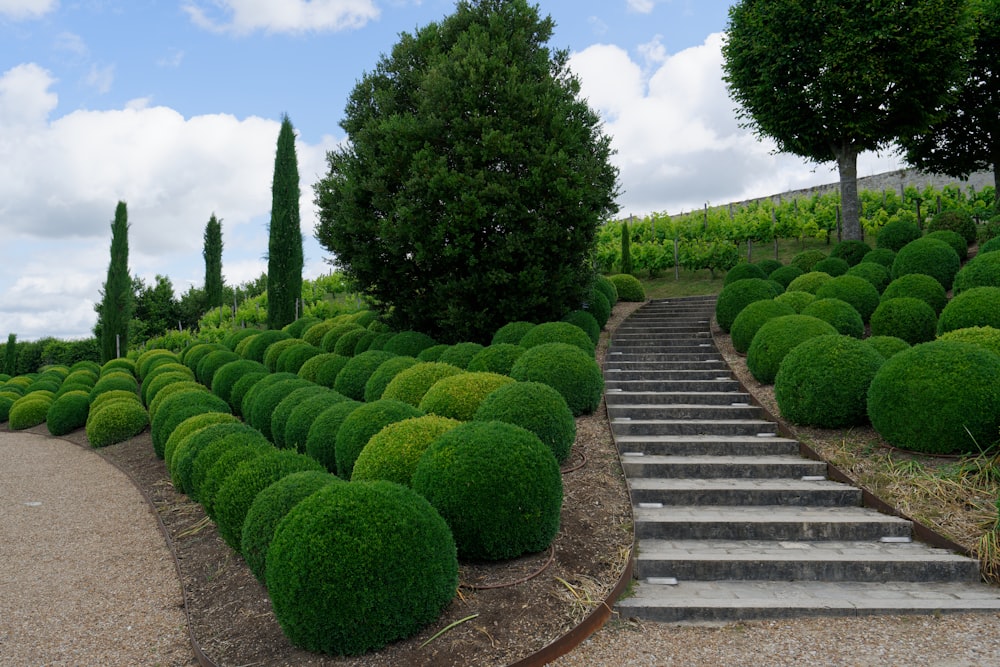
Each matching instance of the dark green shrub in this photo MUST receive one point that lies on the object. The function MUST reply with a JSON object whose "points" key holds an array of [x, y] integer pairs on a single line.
{"points": [[940, 397], [512, 333], [284, 409], [196, 454], [833, 266], [298, 327], [785, 275], [598, 306], [742, 271], [256, 346], [323, 554], [908, 318], [250, 397], [235, 337], [769, 266], [354, 375], [459, 354], [185, 450], [48, 385], [919, 286], [224, 466], [433, 352], [876, 274], [178, 407], [886, 345], [809, 282], [68, 413], [229, 374], [120, 364], [314, 333], [751, 318], [496, 358], [982, 271], [567, 369], [308, 370], [824, 382], [856, 291], [987, 338], [496, 485], [291, 360], [883, 256], [267, 399], [928, 256], [975, 307], [993, 245], [275, 349], [628, 287], [166, 392], [361, 424], [30, 410], [954, 239], [328, 371], [852, 251], [348, 342], [175, 370], [459, 396], [383, 375], [796, 299], [321, 441], [807, 259], [237, 493], [114, 381], [109, 396], [536, 407], [412, 383], [189, 426], [582, 319], [607, 288], [897, 233], [6, 401], [270, 507], [843, 316], [212, 362], [558, 332], [147, 361], [301, 420], [392, 454], [117, 421], [408, 343], [194, 354], [334, 334], [956, 221], [735, 297], [778, 337], [82, 376]]}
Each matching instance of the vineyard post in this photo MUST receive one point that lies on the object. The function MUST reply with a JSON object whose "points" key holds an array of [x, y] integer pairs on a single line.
{"points": [[774, 231], [839, 230], [706, 216], [677, 266], [749, 249], [939, 204], [920, 222]]}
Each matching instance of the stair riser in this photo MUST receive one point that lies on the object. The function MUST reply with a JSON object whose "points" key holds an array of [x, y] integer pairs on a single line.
{"points": [[809, 531], [725, 399], [658, 375], [834, 497], [874, 571], [672, 386], [633, 428], [694, 357], [723, 471], [681, 411], [762, 448], [735, 614]]}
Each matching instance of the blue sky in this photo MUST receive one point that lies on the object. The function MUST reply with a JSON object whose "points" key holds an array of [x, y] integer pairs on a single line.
{"points": [[174, 107]]}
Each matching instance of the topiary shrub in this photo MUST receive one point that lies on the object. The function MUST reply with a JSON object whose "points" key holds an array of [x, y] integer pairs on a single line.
{"points": [[115, 382], [809, 282], [769, 266], [212, 362], [335, 332], [157, 380], [353, 377], [954, 239], [858, 292], [536, 407], [408, 343], [383, 375], [628, 287], [321, 441], [993, 245], [567, 369], [237, 493], [987, 338], [607, 288], [267, 399], [275, 349], [558, 332], [496, 485], [975, 307], [742, 271], [737, 296], [512, 333], [323, 554], [109, 396], [886, 345], [189, 426], [852, 251], [785, 275], [360, 425], [459, 354], [348, 342], [956, 221], [598, 307], [876, 274], [897, 233], [392, 454], [364, 342], [908, 318], [29, 411], [120, 364], [883, 256], [584, 320], [940, 397], [250, 397], [300, 421], [824, 382], [412, 383], [283, 411], [751, 318], [797, 300], [226, 377], [842, 315], [194, 354], [327, 373], [833, 266], [928, 256], [807, 259], [115, 422], [242, 388], [224, 466], [178, 407], [314, 334], [270, 507], [291, 360], [983, 270], [433, 352], [308, 370], [6, 402], [919, 286], [68, 413], [298, 327], [235, 337], [189, 448], [459, 396], [778, 337], [145, 361], [164, 393], [496, 358]]}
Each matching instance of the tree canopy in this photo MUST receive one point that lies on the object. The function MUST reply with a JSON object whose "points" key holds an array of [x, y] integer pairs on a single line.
{"points": [[212, 252], [829, 79], [475, 178], [115, 309], [284, 249]]}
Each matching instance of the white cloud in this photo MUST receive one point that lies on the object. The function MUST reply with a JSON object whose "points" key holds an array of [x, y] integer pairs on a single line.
{"points": [[100, 78], [291, 16], [27, 9], [640, 6]]}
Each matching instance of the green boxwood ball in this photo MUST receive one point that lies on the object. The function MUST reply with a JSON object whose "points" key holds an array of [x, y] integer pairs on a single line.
{"points": [[496, 358], [742, 271], [270, 507], [796, 299], [225, 465], [109, 396], [212, 362], [919, 286], [628, 287], [360, 425], [297, 328], [168, 390], [198, 452], [607, 288], [173, 367], [321, 442], [283, 411], [975, 307], [432, 353], [408, 343], [876, 274], [807, 259], [558, 332], [512, 332], [886, 345], [842, 315], [157, 381], [959, 222], [852, 251], [735, 297], [496, 485], [896, 234], [778, 337], [197, 352], [584, 320], [459, 396], [383, 375], [987, 338], [146, 361], [809, 282], [308, 370], [333, 334], [348, 343], [785, 275], [567, 369], [178, 407], [392, 454], [459, 354], [235, 337], [267, 400], [67, 413], [858, 292], [954, 239], [908, 318], [929, 256], [6, 402], [883, 256], [410, 384], [833, 266], [353, 377], [276, 349], [751, 318], [940, 397], [302, 417], [993, 245], [536, 407], [824, 382], [31, 410], [228, 375], [242, 387], [291, 360], [327, 373], [122, 363], [769, 266], [256, 346], [115, 422], [598, 306], [115, 381], [314, 333], [981, 271], [250, 397], [189, 426], [323, 555]]}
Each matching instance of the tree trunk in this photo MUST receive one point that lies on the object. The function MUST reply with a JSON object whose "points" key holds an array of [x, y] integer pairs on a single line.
{"points": [[996, 183], [847, 165]]}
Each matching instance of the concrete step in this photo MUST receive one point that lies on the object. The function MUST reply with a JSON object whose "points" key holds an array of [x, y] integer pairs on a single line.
{"points": [[746, 492], [730, 398], [673, 385], [756, 560], [743, 427], [704, 445], [684, 411], [666, 375], [703, 355], [722, 467], [616, 364]]}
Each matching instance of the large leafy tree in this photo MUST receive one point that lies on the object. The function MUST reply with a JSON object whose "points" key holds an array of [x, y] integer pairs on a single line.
{"points": [[829, 79], [284, 250], [475, 178], [156, 309], [115, 310], [967, 139], [212, 252]]}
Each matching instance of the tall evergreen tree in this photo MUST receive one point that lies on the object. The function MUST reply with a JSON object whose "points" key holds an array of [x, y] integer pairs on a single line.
{"points": [[212, 252], [284, 250], [117, 302], [10, 355]]}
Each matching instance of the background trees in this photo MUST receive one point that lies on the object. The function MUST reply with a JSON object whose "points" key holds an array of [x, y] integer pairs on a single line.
{"points": [[116, 304], [828, 79], [474, 180], [284, 250]]}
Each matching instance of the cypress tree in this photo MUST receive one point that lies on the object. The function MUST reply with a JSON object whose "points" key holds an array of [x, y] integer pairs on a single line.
{"points": [[284, 251], [213, 262], [626, 248], [10, 355], [116, 305]]}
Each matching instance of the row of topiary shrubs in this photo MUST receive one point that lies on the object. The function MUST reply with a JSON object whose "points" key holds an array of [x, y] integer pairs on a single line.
{"points": [[874, 337]]}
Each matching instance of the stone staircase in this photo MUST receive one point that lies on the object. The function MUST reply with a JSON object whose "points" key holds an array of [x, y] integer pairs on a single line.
{"points": [[731, 523]]}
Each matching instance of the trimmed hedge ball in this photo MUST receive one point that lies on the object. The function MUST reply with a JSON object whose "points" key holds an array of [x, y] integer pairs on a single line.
{"points": [[851, 251], [981, 271], [459, 396], [6, 402], [291, 360], [242, 388], [607, 288], [876, 274], [858, 292], [785, 275], [301, 419], [598, 307], [348, 343], [144, 362], [188, 448], [496, 358], [742, 271], [166, 392], [116, 422], [410, 384], [194, 354], [296, 328], [314, 334], [212, 362], [886, 345], [843, 316], [940, 397], [809, 282], [833, 266], [905, 317], [308, 370], [778, 337], [824, 381], [897, 233], [235, 337], [883, 256], [237, 493], [256, 346], [178, 407], [536, 407], [321, 441], [392, 454], [353, 377], [751, 318], [512, 332], [807, 259], [628, 287], [954, 239], [275, 349], [768, 266], [157, 380], [929, 256], [122, 363], [987, 338], [567, 369], [327, 373], [975, 307], [558, 332], [115, 381], [919, 286], [796, 299], [109, 396], [459, 354], [226, 377], [284, 409], [31, 410], [331, 338], [496, 485], [224, 466], [266, 401], [189, 426], [270, 507], [250, 397], [68, 413], [737, 296], [383, 375], [408, 343], [323, 554], [956, 221], [993, 245], [360, 425], [433, 352]]}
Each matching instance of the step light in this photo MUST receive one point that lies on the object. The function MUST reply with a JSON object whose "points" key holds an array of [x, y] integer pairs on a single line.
{"points": [[892, 539], [662, 581], [813, 478], [651, 506], [633, 453], [740, 405], [766, 435]]}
